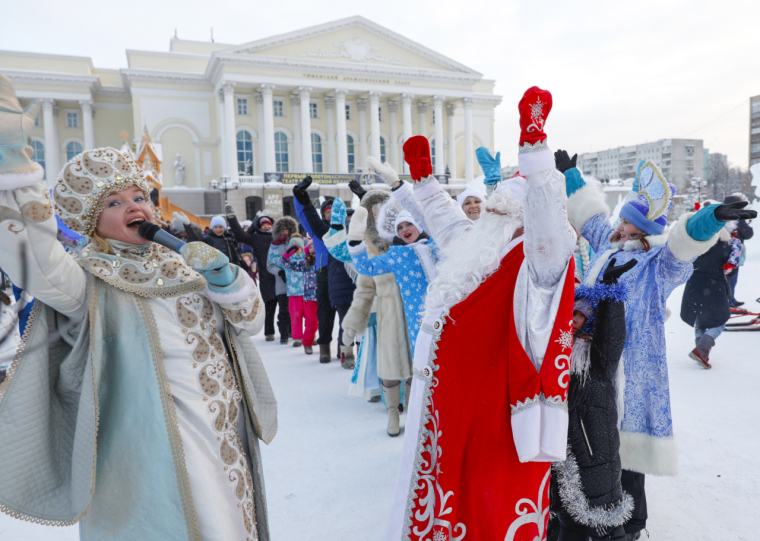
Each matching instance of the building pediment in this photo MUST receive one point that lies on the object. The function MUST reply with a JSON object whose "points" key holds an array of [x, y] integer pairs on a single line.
{"points": [[354, 40]]}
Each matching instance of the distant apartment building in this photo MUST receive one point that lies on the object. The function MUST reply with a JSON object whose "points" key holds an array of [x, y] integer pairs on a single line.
{"points": [[678, 159], [754, 130]]}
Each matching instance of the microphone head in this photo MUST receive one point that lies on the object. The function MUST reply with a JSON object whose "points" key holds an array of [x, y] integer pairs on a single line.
{"points": [[148, 230]]}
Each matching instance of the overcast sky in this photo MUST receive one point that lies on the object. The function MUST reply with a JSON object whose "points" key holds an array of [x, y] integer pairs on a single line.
{"points": [[621, 73]]}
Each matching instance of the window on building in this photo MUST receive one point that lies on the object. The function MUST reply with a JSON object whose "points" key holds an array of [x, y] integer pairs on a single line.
{"points": [[244, 151], [756, 107], [316, 152], [242, 106], [382, 150], [37, 121], [72, 149], [72, 119], [281, 151], [432, 118], [39, 153], [432, 153], [351, 154], [380, 113], [755, 148], [313, 110], [278, 108], [348, 112]]}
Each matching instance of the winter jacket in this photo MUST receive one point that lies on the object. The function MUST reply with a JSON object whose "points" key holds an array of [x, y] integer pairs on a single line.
{"points": [[394, 351], [647, 441], [588, 481], [280, 284], [320, 251], [297, 263], [258, 240], [295, 279], [708, 292], [340, 285]]}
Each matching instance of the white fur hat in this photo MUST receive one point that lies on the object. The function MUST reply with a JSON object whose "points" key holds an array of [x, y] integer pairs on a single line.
{"points": [[469, 192], [218, 220], [515, 185], [405, 216]]}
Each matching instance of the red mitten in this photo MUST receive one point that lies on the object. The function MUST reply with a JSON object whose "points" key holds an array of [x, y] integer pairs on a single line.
{"points": [[282, 238], [728, 268], [289, 252], [534, 107], [417, 155]]}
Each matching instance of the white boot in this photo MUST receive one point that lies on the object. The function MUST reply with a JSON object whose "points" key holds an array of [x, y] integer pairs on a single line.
{"points": [[392, 397], [348, 361], [407, 392]]}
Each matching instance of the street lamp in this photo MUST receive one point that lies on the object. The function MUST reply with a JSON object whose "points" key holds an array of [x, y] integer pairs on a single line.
{"points": [[226, 185]]}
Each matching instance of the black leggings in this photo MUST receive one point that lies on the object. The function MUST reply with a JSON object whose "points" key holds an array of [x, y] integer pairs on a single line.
{"points": [[325, 311], [283, 319]]}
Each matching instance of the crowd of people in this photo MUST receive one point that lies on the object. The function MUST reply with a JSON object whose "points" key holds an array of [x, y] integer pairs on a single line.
{"points": [[521, 330]]}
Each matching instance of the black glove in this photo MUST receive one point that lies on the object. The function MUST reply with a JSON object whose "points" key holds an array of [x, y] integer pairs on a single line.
{"points": [[563, 161], [734, 211], [612, 273], [355, 187], [281, 274], [299, 191]]}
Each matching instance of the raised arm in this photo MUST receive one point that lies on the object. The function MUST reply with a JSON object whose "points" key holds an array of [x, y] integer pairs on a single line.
{"points": [[400, 191], [308, 215], [586, 209], [380, 264], [237, 230]]}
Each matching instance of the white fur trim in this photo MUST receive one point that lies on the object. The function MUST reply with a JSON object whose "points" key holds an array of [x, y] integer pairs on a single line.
{"points": [[359, 248], [683, 246], [540, 433], [646, 454], [585, 204], [724, 235], [428, 189], [11, 181], [405, 190], [530, 163], [238, 291]]}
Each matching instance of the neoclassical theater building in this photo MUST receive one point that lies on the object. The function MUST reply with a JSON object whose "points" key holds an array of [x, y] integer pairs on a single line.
{"points": [[259, 116]]}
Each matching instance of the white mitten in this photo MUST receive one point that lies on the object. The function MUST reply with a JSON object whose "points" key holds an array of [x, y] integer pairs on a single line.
{"points": [[358, 225], [385, 171], [181, 217]]}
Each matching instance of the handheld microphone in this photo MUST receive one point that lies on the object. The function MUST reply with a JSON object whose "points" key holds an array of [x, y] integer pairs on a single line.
{"points": [[153, 232]]}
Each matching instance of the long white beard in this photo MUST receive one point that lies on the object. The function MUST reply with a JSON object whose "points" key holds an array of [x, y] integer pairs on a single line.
{"points": [[469, 261]]}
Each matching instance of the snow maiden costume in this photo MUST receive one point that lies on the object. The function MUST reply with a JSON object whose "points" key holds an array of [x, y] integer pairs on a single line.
{"points": [[136, 400], [647, 442], [476, 456]]}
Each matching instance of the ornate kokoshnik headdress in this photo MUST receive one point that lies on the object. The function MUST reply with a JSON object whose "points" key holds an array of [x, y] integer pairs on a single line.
{"points": [[86, 181]]}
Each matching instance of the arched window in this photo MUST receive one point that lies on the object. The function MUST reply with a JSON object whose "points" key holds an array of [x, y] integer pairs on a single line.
{"points": [[316, 153], [382, 150], [281, 152], [39, 153], [72, 149], [351, 154], [244, 150], [432, 153]]}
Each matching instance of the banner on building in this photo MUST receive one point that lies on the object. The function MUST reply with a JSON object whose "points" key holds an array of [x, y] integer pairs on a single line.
{"points": [[337, 178], [273, 203]]}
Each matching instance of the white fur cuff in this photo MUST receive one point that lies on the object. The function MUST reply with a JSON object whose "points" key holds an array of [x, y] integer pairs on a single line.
{"points": [[646, 454], [683, 246], [430, 187], [240, 290], [11, 181], [402, 191], [584, 205], [530, 163], [359, 248]]}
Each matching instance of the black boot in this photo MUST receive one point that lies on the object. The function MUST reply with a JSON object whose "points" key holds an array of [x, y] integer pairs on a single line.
{"points": [[324, 353]]}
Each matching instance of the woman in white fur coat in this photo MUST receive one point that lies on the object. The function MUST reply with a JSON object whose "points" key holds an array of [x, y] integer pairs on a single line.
{"points": [[647, 441]]}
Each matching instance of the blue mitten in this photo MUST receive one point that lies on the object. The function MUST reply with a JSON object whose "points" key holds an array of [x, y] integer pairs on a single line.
{"points": [[338, 216], [491, 166], [703, 225], [573, 181], [211, 263]]}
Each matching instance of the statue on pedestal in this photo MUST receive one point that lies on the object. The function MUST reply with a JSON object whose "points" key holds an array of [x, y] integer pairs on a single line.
{"points": [[179, 171]]}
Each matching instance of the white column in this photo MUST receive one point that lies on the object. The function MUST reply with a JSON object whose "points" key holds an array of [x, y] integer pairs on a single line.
{"points": [[393, 147], [361, 110], [450, 110], [440, 160], [89, 128], [406, 115], [228, 89], [374, 124], [422, 108], [52, 154], [329, 106], [468, 152], [295, 106], [270, 165], [262, 157], [340, 117], [305, 92]]}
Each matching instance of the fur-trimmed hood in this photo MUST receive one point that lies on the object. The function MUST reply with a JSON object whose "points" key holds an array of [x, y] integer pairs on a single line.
{"points": [[371, 235], [286, 222]]}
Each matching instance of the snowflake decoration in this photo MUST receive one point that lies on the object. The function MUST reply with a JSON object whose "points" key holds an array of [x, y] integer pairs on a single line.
{"points": [[440, 535], [565, 340], [536, 113]]}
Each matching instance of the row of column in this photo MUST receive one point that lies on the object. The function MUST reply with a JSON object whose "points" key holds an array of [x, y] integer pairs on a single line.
{"points": [[50, 124], [335, 107]]}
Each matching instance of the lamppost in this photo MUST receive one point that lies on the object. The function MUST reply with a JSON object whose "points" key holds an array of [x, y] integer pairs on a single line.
{"points": [[226, 185]]}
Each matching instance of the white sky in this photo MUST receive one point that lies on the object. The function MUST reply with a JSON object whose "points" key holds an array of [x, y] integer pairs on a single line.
{"points": [[621, 73]]}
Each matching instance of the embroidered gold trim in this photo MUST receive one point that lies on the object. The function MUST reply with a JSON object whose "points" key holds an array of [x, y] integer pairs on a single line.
{"points": [[170, 415]]}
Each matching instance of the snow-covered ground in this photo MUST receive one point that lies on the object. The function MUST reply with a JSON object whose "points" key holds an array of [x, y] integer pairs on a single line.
{"points": [[331, 470]]}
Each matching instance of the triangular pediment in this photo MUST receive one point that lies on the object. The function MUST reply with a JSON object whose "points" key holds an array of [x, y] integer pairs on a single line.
{"points": [[352, 40]]}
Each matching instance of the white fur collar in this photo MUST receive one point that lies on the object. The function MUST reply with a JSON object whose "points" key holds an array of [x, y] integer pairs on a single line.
{"points": [[11, 181], [633, 245]]}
